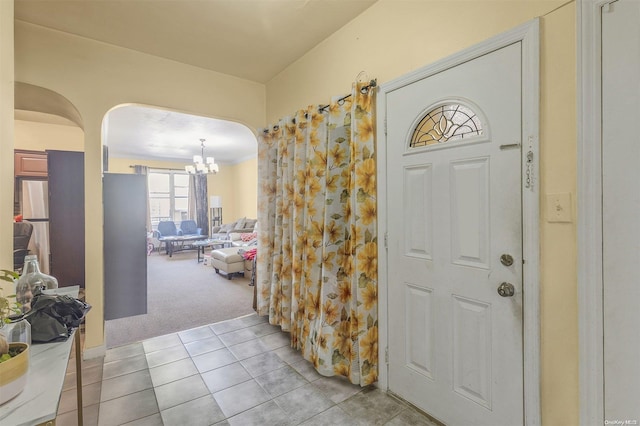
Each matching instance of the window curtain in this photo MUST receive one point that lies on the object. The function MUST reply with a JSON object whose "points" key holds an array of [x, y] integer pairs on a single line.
{"points": [[317, 252], [192, 212], [202, 203], [144, 170]]}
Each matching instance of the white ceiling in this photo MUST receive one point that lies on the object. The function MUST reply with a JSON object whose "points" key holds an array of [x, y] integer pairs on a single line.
{"points": [[147, 133], [250, 39]]}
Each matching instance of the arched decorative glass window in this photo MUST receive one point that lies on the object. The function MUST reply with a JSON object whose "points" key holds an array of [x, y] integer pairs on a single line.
{"points": [[444, 123]]}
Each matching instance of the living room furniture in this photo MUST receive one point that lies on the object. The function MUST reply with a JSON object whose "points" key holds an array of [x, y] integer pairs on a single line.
{"points": [[189, 227], [38, 403], [242, 225], [176, 243], [166, 228], [243, 239], [227, 260], [21, 236], [203, 244]]}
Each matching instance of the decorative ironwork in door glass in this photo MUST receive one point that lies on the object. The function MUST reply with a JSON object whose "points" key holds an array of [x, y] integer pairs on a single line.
{"points": [[448, 122]]}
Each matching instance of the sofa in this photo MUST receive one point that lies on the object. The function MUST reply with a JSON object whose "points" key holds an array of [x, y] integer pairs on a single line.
{"points": [[240, 226], [243, 239]]}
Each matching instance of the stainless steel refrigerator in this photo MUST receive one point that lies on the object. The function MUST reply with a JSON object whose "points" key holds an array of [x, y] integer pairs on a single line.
{"points": [[34, 206]]}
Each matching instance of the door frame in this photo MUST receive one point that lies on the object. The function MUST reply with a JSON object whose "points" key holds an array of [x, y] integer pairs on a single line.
{"points": [[589, 226], [528, 35]]}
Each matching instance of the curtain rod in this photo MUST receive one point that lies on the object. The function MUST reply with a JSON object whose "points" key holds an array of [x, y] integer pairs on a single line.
{"points": [[363, 90], [157, 168]]}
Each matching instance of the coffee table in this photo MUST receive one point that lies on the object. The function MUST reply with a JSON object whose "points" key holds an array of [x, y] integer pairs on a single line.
{"points": [[181, 242], [212, 242]]}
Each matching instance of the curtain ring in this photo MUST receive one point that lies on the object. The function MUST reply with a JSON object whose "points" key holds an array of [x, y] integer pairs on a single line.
{"points": [[362, 76]]}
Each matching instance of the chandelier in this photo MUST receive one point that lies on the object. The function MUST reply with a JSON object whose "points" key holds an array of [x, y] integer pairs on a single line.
{"points": [[202, 165]]}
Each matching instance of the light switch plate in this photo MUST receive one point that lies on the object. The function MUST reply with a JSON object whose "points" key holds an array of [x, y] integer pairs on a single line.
{"points": [[559, 207]]}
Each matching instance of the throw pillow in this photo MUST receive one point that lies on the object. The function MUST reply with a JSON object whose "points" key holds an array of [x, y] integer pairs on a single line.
{"points": [[250, 223], [240, 223], [227, 227], [248, 236]]}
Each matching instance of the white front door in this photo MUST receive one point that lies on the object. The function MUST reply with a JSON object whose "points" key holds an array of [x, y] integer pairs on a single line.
{"points": [[621, 210], [454, 238]]}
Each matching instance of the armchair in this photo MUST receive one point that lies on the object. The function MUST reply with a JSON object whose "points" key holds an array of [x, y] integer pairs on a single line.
{"points": [[166, 228], [189, 227]]}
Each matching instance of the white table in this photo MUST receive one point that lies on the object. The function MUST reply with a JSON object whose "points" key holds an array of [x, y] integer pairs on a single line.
{"points": [[38, 402]]}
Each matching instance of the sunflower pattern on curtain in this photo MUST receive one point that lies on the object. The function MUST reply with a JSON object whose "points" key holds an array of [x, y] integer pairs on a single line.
{"points": [[317, 254]]}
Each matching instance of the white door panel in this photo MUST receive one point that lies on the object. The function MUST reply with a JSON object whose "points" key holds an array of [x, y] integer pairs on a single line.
{"points": [[455, 345], [621, 210]]}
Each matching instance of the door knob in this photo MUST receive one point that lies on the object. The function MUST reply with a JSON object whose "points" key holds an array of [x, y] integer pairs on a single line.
{"points": [[506, 290]]}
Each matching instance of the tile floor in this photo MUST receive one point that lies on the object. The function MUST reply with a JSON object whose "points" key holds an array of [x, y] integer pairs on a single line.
{"points": [[236, 372]]}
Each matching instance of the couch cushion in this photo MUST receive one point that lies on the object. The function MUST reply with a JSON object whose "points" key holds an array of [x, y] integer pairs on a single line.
{"points": [[240, 223], [228, 255], [227, 227]]}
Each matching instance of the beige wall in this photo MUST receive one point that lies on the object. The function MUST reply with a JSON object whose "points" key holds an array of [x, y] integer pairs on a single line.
{"points": [[6, 139], [42, 136], [559, 298], [394, 37], [96, 77], [245, 197], [390, 39]]}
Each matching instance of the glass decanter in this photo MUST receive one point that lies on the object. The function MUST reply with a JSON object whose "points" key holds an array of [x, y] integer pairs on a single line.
{"points": [[30, 280]]}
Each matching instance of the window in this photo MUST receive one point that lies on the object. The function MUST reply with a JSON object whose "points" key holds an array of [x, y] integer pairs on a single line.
{"points": [[168, 196], [445, 123]]}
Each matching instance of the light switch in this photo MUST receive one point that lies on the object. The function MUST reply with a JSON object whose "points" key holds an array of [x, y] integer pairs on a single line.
{"points": [[559, 207]]}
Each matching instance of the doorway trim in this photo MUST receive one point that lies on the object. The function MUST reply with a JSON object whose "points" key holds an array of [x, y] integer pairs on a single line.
{"points": [[528, 35], [590, 284]]}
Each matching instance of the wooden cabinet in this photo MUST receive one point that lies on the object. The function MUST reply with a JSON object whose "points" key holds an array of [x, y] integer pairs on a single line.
{"points": [[30, 163]]}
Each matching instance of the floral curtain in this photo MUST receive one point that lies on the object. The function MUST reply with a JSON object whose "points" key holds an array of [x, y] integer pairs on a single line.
{"points": [[317, 252]]}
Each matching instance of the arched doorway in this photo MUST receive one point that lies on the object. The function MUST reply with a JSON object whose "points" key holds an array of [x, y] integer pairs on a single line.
{"points": [[49, 134], [160, 143]]}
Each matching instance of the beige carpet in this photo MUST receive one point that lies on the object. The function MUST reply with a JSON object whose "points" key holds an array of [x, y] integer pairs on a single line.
{"points": [[182, 294]]}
